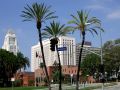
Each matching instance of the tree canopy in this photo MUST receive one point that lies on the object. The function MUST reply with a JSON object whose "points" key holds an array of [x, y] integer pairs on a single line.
{"points": [[90, 64], [10, 64], [112, 57]]}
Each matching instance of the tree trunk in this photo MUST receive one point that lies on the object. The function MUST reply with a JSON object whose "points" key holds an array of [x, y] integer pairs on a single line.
{"points": [[60, 68], [41, 45], [79, 63]]}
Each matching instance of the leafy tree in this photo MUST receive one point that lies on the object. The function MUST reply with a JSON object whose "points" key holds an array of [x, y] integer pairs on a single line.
{"points": [[9, 65], [40, 13], [109, 44], [17, 83], [111, 50], [42, 67], [112, 60], [55, 76], [31, 82], [55, 30], [117, 41], [84, 23], [55, 73], [90, 65]]}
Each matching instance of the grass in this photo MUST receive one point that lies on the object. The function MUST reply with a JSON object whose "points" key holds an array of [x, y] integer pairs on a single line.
{"points": [[33, 88], [22, 88]]}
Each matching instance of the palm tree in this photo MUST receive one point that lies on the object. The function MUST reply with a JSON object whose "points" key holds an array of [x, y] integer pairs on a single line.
{"points": [[84, 23], [54, 31], [22, 61], [40, 13]]}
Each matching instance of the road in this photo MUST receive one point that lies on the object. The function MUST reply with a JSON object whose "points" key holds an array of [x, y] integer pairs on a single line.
{"points": [[64, 87], [115, 87]]}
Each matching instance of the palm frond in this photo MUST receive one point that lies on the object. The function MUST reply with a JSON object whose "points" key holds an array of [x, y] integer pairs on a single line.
{"points": [[101, 29], [94, 31], [45, 35], [80, 15], [86, 16], [55, 29], [73, 22], [94, 20], [86, 23], [75, 18], [90, 32], [37, 12]]}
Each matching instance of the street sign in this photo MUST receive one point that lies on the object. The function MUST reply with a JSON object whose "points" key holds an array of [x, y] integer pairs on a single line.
{"points": [[62, 48]]}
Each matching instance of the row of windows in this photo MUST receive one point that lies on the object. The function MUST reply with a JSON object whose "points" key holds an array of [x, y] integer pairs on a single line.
{"points": [[39, 79], [67, 40], [70, 71], [11, 40]]}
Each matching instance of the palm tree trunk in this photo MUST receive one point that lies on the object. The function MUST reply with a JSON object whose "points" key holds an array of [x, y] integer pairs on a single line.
{"points": [[60, 68], [79, 63], [41, 45]]}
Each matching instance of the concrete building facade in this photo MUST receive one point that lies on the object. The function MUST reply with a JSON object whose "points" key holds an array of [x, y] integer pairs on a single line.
{"points": [[87, 49], [67, 57], [10, 42]]}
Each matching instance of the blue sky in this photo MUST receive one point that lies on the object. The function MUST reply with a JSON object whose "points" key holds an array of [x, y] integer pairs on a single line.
{"points": [[108, 11]]}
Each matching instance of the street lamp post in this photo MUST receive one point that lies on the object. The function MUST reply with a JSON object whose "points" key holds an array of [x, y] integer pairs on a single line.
{"points": [[102, 74], [12, 80], [71, 78]]}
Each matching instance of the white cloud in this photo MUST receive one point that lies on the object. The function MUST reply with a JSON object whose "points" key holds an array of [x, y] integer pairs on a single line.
{"points": [[102, 1], [114, 15], [96, 7]]}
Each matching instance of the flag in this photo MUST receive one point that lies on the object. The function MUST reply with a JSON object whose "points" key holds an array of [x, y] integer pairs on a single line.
{"points": [[36, 54]]}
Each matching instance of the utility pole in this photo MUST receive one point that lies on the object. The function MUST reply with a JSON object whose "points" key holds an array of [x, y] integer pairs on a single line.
{"points": [[102, 65]]}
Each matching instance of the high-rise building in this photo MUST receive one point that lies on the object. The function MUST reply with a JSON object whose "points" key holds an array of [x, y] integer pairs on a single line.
{"points": [[87, 49], [10, 42], [67, 57]]}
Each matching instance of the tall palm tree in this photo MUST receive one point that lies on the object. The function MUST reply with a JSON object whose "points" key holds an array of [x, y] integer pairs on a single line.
{"points": [[84, 23], [54, 31], [40, 13]]}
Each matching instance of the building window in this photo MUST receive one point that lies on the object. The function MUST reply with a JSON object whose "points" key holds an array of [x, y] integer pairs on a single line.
{"points": [[65, 70], [11, 40], [72, 71], [75, 71]]}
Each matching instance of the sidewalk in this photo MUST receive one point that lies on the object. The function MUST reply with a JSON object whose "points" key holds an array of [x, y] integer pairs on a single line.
{"points": [[65, 86]]}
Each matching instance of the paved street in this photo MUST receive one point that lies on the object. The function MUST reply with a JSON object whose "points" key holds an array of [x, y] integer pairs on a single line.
{"points": [[64, 87], [115, 87]]}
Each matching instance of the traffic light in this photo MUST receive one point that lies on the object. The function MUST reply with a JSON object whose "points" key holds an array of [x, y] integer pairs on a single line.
{"points": [[101, 68], [53, 42]]}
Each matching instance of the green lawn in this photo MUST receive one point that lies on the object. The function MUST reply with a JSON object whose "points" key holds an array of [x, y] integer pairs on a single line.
{"points": [[22, 88]]}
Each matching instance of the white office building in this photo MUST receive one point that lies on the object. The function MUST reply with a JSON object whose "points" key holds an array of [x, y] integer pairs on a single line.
{"points": [[67, 57], [87, 49], [10, 42]]}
